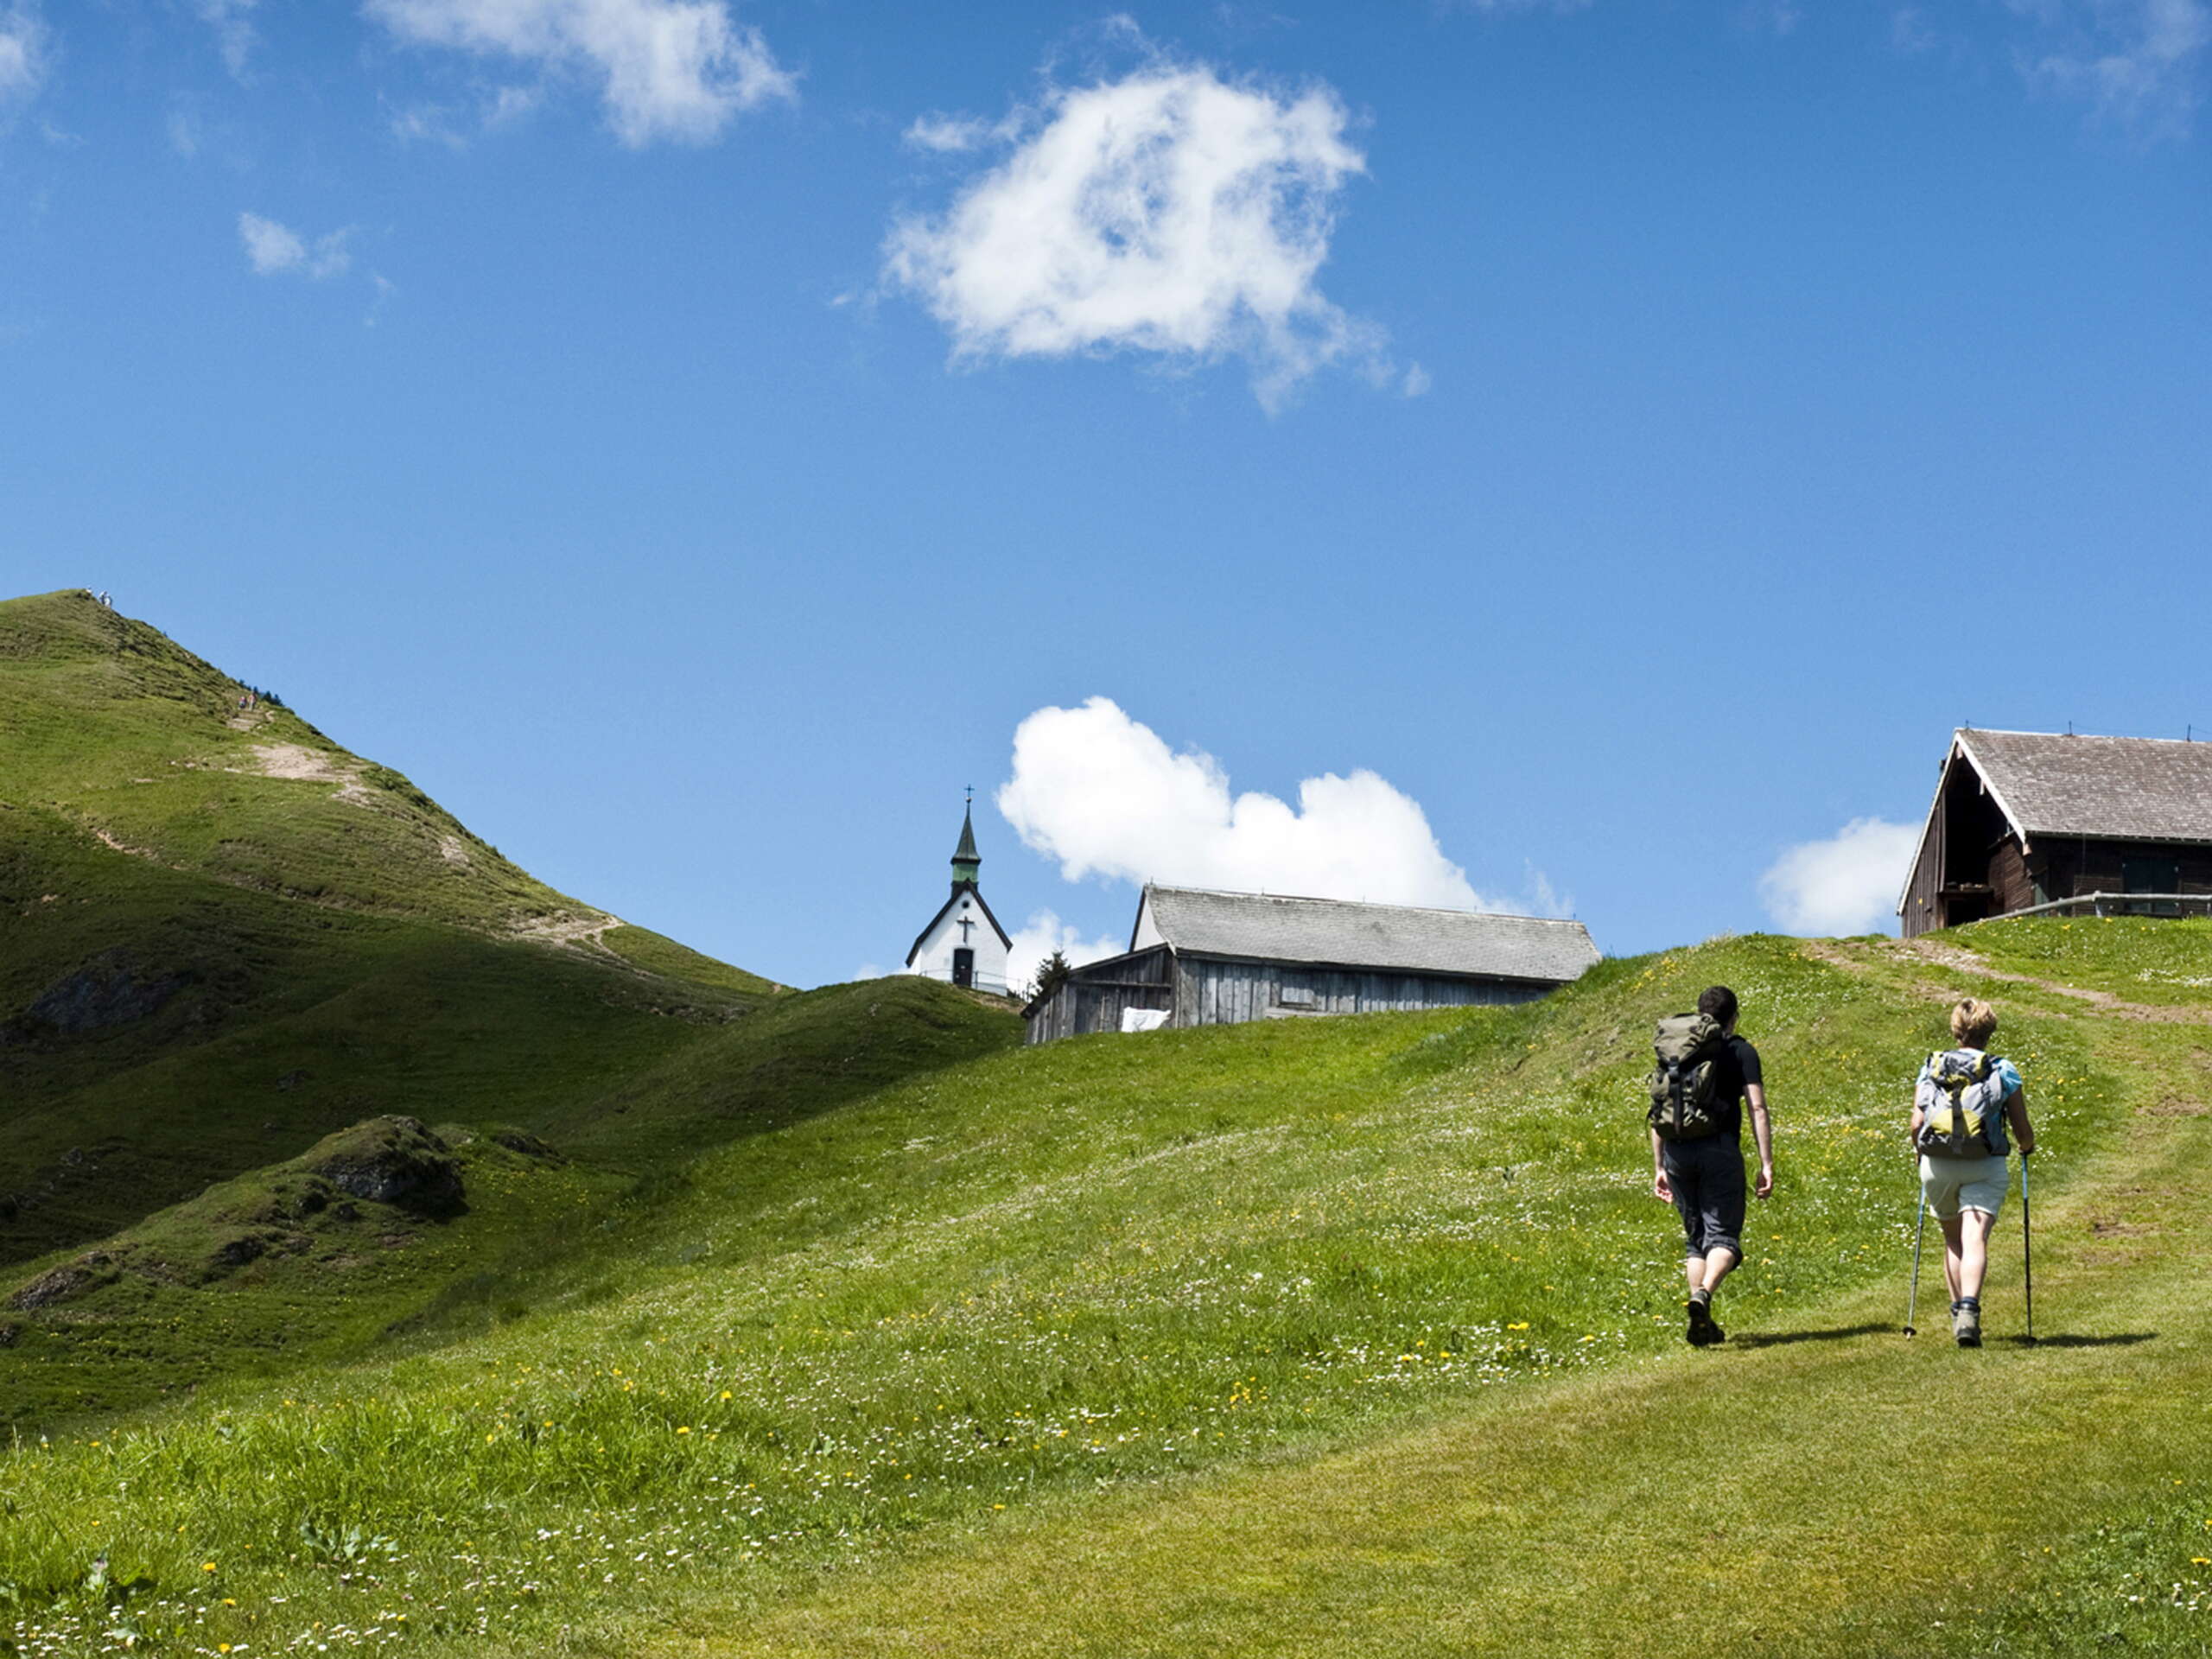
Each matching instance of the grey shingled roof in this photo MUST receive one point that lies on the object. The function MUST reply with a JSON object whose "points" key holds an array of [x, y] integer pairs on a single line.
{"points": [[1399, 937], [2111, 788]]}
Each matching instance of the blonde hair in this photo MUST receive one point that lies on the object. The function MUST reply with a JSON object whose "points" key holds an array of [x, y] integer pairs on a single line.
{"points": [[1973, 1022]]}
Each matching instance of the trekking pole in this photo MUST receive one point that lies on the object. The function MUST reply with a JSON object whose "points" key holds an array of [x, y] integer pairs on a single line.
{"points": [[1919, 1228], [2027, 1250]]}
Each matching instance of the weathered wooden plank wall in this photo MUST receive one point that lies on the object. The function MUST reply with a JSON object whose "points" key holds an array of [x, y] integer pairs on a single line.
{"points": [[1213, 991], [1094, 997], [1223, 991]]}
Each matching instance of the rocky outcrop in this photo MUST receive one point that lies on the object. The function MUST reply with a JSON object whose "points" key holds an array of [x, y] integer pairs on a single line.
{"points": [[112, 989], [395, 1161]]}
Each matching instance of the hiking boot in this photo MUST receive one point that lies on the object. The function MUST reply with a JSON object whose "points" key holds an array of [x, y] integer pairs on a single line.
{"points": [[1966, 1325], [1702, 1332]]}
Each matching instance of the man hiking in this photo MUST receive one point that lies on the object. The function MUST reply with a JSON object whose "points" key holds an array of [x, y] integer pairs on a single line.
{"points": [[1705, 1073], [1961, 1101]]}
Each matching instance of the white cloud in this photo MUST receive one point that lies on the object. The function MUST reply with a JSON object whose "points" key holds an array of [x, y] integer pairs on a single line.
{"points": [[233, 22], [1169, 212], [948, 135], [678, 69], [1847, 884], [1044, 934], [24, 51], [1417, 382], [2139, 62], [1102, 794], [275, 250], [1911, 32]]}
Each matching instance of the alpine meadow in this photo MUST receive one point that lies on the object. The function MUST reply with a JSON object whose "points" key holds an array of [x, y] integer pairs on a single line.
{"points": [[397, 1256]]}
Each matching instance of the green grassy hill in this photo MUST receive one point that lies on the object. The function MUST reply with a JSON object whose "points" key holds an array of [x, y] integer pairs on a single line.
{"points": [[226, 939], [1337, 1336]]}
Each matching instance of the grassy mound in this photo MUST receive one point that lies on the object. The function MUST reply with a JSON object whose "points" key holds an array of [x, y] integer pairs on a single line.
{"points": [[280, 1268], [1385, 1301]]}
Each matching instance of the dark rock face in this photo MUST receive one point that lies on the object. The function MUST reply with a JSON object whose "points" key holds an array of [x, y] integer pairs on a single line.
{"points": [[109, 990], [60, 1284], [236, 1252], [393, 1160]]}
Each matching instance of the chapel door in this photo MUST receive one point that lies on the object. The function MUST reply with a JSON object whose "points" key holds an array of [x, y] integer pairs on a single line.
{"points": [[964, 968]]}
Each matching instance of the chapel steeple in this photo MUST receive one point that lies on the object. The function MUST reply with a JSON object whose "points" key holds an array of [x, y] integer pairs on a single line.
{"points": [[964, 943], [966, 862]]}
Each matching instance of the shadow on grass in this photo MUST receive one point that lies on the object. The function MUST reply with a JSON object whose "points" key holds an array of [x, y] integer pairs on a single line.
{"points": [[1777, 1339], [2122, 1339]]}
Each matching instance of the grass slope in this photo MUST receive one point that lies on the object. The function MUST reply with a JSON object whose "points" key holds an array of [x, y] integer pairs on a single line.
{"points": [[226, 939], [1353, 1335]]}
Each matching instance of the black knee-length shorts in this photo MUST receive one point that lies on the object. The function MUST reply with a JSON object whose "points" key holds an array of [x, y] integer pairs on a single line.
{"points": [[1708, 1177]]}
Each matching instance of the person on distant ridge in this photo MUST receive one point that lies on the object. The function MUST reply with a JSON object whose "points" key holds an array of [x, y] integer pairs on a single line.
{"points": [[1961, 1104], [1705, 1076]]}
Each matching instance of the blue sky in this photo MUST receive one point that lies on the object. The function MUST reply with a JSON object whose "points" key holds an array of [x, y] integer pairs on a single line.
{"points": [[692, 439]]}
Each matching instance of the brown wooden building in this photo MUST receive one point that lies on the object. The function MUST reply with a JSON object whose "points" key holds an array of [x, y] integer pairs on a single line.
{"points": [[1201, 958], [2028, 819]]}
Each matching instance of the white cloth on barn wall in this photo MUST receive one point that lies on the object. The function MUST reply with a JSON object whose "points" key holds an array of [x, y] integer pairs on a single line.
{"points": [[1135, 1019]]}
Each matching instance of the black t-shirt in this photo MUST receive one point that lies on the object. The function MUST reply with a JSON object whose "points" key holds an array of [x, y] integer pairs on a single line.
{"points": [[1734, 1071]]}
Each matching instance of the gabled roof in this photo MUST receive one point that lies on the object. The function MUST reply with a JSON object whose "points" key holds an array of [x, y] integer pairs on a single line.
{"points": [[2104, 788], [2090, 788], [1338, 933], [958, 889]]}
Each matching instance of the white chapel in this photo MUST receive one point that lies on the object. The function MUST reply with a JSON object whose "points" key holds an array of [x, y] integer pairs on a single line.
{"points": [[964, 943]]}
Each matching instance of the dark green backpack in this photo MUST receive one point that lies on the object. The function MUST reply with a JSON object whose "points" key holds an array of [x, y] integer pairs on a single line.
{"points": [[1685, 1103]]}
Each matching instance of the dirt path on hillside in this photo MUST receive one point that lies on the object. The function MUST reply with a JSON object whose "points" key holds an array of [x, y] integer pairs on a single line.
{"points": [[1961, 959], [587, 931]]}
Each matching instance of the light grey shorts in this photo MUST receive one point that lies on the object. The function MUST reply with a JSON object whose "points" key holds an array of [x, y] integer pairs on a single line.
{"points": [[1951, 1184]]}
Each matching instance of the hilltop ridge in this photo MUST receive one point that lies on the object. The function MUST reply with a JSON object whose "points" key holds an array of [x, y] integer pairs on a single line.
{"points": [[228, 935], [141, 745]]}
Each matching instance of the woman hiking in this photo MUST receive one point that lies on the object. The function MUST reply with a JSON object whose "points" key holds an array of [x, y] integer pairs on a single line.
{"points": [[1961, 1103]]}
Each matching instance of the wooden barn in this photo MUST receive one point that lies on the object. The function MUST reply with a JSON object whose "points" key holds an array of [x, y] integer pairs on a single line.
{"points": [[1200, 958], [2028, 819]]}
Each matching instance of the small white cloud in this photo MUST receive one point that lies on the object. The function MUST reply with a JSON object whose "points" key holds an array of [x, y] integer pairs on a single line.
{"points": [[1776, 17], [25, 51], [1910, 33], [1044, 934], [1544, 899], [948, 135], [233, 22], [1103, 796], [2139, 63], [1417, 382], [275, 250], [381, 288], [1171, 213], [675, 69], [1847, 884]]}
